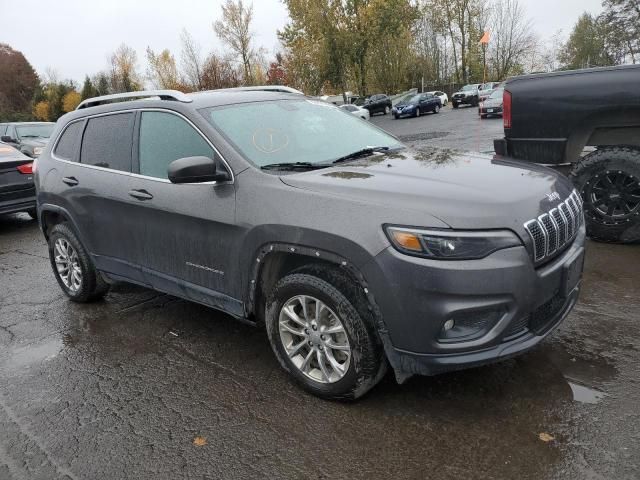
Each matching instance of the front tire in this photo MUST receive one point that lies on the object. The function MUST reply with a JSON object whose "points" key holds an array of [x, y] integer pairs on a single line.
{"points": [[321, 339], [455, 105], [609, 182], [72, 267]]}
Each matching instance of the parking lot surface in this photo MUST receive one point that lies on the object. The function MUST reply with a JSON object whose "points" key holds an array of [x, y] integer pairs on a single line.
{"points": [[143, 385]]}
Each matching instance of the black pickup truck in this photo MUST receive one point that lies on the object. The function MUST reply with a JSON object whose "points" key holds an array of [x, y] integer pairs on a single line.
{"points": [[551, 118]]}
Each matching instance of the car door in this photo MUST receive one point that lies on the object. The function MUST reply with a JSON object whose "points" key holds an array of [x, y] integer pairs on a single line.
{"points": [[189, 228], [95, 189]]}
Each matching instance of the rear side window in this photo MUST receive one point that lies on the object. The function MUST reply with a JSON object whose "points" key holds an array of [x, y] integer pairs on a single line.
{"points": [[165, 137], [69, 141], [107, 142]]}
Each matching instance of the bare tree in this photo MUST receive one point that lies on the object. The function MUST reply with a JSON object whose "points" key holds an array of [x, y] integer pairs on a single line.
{"points": [[512, 38], [162, 70], [191, 61], [235, 30]]}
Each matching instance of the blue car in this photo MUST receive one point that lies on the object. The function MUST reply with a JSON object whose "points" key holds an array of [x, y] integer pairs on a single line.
{"points": [[417, 105]]}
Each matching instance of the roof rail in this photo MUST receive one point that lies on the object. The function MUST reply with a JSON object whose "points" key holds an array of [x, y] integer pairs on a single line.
{"points": [[162, 94], [264, 88]]}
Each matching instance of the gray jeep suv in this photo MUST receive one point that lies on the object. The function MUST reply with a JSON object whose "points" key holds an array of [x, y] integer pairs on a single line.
{"points": [[352, 250]]}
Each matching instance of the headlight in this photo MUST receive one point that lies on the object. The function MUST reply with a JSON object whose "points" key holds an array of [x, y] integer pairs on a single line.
{"points": [[37, 151], [450, 244]]}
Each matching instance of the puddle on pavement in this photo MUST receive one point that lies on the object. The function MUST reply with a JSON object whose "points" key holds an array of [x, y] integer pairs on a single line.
{"points": [[584, 394], [586, 377], [33, 353]]}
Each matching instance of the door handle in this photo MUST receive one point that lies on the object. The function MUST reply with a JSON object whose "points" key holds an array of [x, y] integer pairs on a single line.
{"points": [[71, 181], [141, 194]]}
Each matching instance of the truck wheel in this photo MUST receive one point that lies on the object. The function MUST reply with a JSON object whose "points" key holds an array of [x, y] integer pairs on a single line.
{"points": [[73, 268], [609, 182], [321, 339]]}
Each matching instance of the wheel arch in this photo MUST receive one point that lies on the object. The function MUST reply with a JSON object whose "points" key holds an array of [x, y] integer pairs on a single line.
{"points": [[604, 128]]}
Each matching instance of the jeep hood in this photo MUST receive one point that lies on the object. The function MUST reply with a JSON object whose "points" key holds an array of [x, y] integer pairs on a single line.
{"points": [[464, 190]]}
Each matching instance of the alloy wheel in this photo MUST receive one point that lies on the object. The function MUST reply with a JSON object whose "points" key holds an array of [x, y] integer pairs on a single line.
{"points": [[68, 265], [615, 196], [315, 339]]}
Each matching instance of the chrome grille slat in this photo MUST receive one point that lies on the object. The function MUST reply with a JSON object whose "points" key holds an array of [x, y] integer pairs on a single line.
{"points": [[553, 230]]}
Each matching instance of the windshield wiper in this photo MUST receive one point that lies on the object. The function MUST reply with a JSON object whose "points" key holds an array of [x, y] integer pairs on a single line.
{"points": [[360, 153], [292, 166]]}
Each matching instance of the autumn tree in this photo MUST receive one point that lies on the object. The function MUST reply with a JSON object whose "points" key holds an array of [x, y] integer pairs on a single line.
{"points": [[234, 29], [18, 84], [220, 72], [162, 70], [123, 70], [71, 100], [41, 111]]}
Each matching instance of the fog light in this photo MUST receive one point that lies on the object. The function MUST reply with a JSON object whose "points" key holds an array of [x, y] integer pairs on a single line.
{"points": [[449, 324]]}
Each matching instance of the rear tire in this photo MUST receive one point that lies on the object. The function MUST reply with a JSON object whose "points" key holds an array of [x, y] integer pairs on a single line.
{"points": [[82, 283], [609, 182], [436, 109], [386, 110], [365, 365], [417, 112]]}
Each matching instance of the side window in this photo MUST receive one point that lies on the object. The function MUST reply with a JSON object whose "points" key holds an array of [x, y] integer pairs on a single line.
{"points": [[107, 141], [165, 137], [69, 141]]}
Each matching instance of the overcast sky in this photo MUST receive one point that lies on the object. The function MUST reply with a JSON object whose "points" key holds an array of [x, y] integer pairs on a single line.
{"points": [[74, 37]]}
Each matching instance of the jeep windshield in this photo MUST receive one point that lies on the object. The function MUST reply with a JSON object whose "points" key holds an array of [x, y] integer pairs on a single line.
{"points": [[295, 132], [35, 131]]}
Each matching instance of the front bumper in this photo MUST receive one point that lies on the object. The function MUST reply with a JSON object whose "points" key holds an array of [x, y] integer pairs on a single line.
{"points": [[464, 100], [405, 112], [523, 304]]}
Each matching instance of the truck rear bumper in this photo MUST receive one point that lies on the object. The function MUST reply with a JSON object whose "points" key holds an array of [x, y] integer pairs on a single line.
{"points": [[546, 151]]}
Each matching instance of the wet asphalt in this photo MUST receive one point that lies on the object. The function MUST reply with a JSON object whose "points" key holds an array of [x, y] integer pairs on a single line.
{"points": [[143, 385]]}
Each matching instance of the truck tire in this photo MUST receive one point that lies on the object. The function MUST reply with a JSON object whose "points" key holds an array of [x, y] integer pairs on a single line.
{"points": [[455, 105], [609, 182], [303, 340], [73, 267]]}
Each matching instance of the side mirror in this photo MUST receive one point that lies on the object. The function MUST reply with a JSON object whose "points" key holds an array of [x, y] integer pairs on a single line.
{"points": [[7, 139], [195, 170]]}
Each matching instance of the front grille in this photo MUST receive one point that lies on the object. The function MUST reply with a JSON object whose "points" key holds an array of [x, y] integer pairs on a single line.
{"points": [[551, 231]]}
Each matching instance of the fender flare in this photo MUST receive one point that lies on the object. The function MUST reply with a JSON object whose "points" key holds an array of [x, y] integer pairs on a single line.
{"points": [[341, 262]]}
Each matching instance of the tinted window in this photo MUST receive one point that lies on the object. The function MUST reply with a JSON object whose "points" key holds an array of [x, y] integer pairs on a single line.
{"points": [[68, 143], [165, 137], [107, 142]]}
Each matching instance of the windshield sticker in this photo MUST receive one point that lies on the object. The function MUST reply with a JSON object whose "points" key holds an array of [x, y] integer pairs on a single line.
{"points": [[270, 140]]}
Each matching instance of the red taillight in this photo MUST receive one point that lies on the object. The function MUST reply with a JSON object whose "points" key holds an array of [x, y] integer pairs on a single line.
{"points": [[26, 169], [506, 109]]}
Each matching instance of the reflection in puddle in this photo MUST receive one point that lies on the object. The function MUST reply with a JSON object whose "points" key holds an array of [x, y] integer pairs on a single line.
{"points": [[584, 394], [25, 356]]}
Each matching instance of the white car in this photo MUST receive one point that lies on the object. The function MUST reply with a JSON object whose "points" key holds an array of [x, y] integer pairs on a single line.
{"points": [[444, 98], [363, 113]]}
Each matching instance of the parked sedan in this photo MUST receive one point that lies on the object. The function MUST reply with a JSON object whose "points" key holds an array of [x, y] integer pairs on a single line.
{"points": [[379, 103], [17, 191], [444, 98], [363, 113], [417, 105], [492, 105]]}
